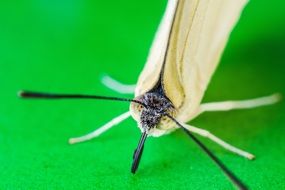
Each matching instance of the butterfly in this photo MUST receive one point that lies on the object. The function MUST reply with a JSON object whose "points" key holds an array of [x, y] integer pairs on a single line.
{"points": [[184, 55]]}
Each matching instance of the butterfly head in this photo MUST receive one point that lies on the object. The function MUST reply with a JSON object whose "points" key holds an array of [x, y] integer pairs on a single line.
{"points": [[152, 116]]}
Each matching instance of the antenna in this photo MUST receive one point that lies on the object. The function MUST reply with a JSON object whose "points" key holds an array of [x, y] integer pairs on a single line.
{"points": [[239, 185], [138, 153], [40, 95]]}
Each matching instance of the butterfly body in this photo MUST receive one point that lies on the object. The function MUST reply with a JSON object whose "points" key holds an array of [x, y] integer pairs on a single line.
{"points": [[152, 117]]}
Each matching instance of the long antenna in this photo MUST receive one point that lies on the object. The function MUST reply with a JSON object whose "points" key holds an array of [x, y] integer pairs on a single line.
{"points": [[40, 95], [138, 153], [238, 184]]}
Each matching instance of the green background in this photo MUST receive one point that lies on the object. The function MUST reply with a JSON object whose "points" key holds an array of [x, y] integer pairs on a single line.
{"points": [[66, 46]]}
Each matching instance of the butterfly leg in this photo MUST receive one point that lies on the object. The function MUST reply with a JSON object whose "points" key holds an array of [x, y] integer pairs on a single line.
{"points": [[101, 130], [117, 86], [219, 141], [242, 104]]}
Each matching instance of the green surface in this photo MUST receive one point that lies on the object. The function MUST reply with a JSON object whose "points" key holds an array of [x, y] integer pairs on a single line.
{"points": [[66, 46]]}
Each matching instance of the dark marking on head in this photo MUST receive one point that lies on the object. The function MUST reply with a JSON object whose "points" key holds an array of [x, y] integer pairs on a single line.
{"points": [[157, 106]]}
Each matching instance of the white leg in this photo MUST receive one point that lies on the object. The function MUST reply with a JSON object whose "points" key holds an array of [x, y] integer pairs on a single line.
{"points": [[101, 130], [242, 104], [117, 86], [219, 141]]}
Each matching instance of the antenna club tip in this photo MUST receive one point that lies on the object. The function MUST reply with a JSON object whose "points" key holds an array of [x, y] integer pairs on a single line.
{"points": [[21, 93], [133, 171]]}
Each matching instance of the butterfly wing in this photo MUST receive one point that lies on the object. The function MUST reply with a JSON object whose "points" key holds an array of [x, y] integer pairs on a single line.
{"points": [[189, 44], [202, 30], [150, 74]]}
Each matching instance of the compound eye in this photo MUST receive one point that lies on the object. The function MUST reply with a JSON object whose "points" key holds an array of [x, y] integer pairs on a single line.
{"points": [[139, 107]]}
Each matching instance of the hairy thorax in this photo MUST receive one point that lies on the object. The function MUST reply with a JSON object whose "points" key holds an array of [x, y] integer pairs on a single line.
{"points": [[152, 117]]}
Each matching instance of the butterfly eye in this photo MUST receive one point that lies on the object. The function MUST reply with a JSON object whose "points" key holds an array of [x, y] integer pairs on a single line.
{"points": [[139, 108]]}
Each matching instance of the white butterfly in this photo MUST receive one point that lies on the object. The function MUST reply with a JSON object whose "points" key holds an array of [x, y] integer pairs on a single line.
{"points": [[184, 55]]}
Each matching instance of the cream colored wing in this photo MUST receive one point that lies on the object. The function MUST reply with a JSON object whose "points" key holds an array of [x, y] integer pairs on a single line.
{"points": [[150, 74], [189, 44]]}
